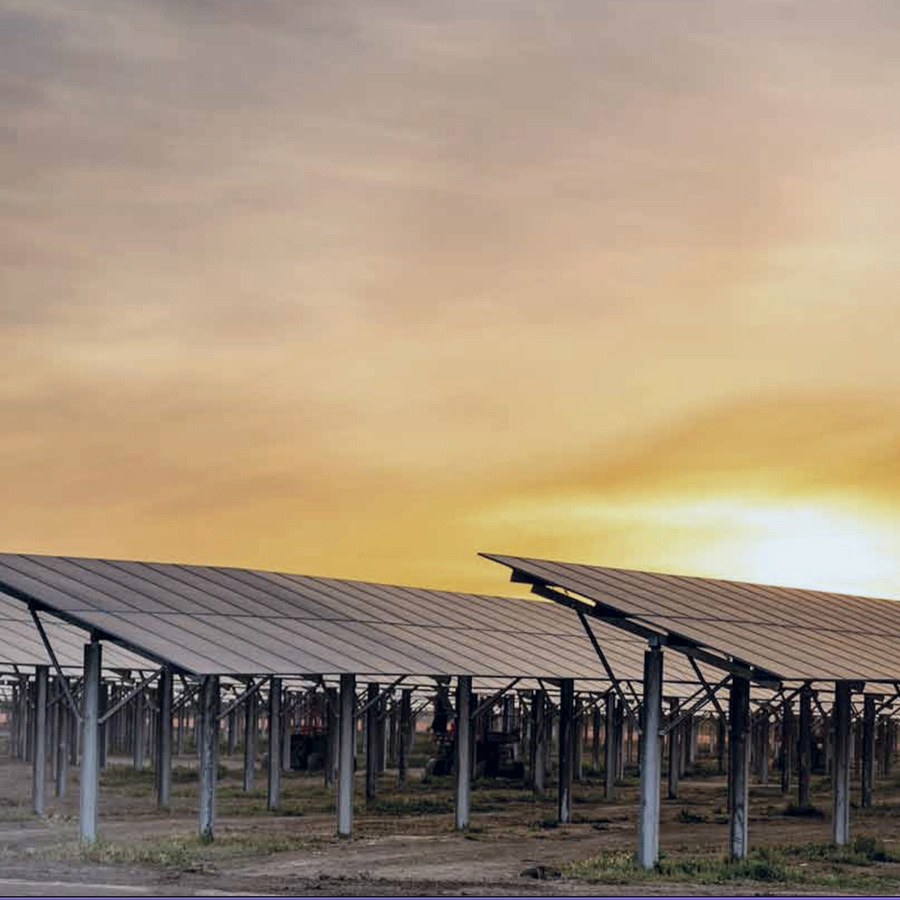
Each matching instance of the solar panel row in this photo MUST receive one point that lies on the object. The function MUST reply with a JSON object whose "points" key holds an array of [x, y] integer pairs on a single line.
{"points": [[226, 621], [797, 634]]}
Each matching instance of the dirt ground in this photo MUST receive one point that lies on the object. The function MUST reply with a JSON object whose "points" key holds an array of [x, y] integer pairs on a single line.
{"points": [[406, 843]]}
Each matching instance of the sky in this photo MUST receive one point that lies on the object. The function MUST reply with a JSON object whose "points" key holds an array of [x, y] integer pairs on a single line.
{"points": [[361, 289]]}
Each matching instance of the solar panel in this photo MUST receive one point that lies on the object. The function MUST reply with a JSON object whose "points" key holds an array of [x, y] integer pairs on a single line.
{"points": [[797, 634]]}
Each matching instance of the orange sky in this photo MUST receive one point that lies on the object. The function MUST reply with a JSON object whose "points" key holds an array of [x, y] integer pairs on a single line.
{"points": [[361, 289]]}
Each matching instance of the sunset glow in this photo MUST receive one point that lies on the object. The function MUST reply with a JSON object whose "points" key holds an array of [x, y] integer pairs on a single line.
{"points": [[602, 281]]}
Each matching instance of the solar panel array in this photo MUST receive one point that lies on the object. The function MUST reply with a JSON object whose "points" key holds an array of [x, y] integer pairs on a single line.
{"points": [[228, 621], [796, 633]]}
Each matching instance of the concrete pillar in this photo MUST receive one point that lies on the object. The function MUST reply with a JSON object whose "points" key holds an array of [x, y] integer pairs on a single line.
{"points": [[90, 743], [566, 749], [251, 726], [787, 745], [405, 736], [674, 760], [345, 755], [804, 746], [164, 740], [538, 739], [209, 745], [463, 773], [840, 823], [868, 750], [610, 746], [39, 771], [372, 692], [274, 767], [651, 760], [738, 765]]}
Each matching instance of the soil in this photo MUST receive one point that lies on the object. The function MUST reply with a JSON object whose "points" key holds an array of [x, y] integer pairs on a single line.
{"points": [[513, 846]]}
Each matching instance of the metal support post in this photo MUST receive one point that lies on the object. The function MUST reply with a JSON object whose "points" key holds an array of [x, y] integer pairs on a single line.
{"points": [[62, 713], [209, 740], [164, 739], [840, 823], [463, 767], [138, 731], [787, 745], [372, 692], [868, 750], [763, 768], [564, 768], [274, 767], [331, 732], [651, 759], [251, 726], [405, 736], [39, 772], [90, 743], [578, 743], [804, 746], [286, 730], [345, 755], [610, 746], [538, 738], [739, 765]]}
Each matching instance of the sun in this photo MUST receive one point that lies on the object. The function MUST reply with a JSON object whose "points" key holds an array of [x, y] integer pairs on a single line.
{"points": [[821, 545]]}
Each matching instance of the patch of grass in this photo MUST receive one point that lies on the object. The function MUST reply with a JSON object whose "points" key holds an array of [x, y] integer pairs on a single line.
{"points": [[545, 823], [865, 850], [187, 853], [621, 867]]}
